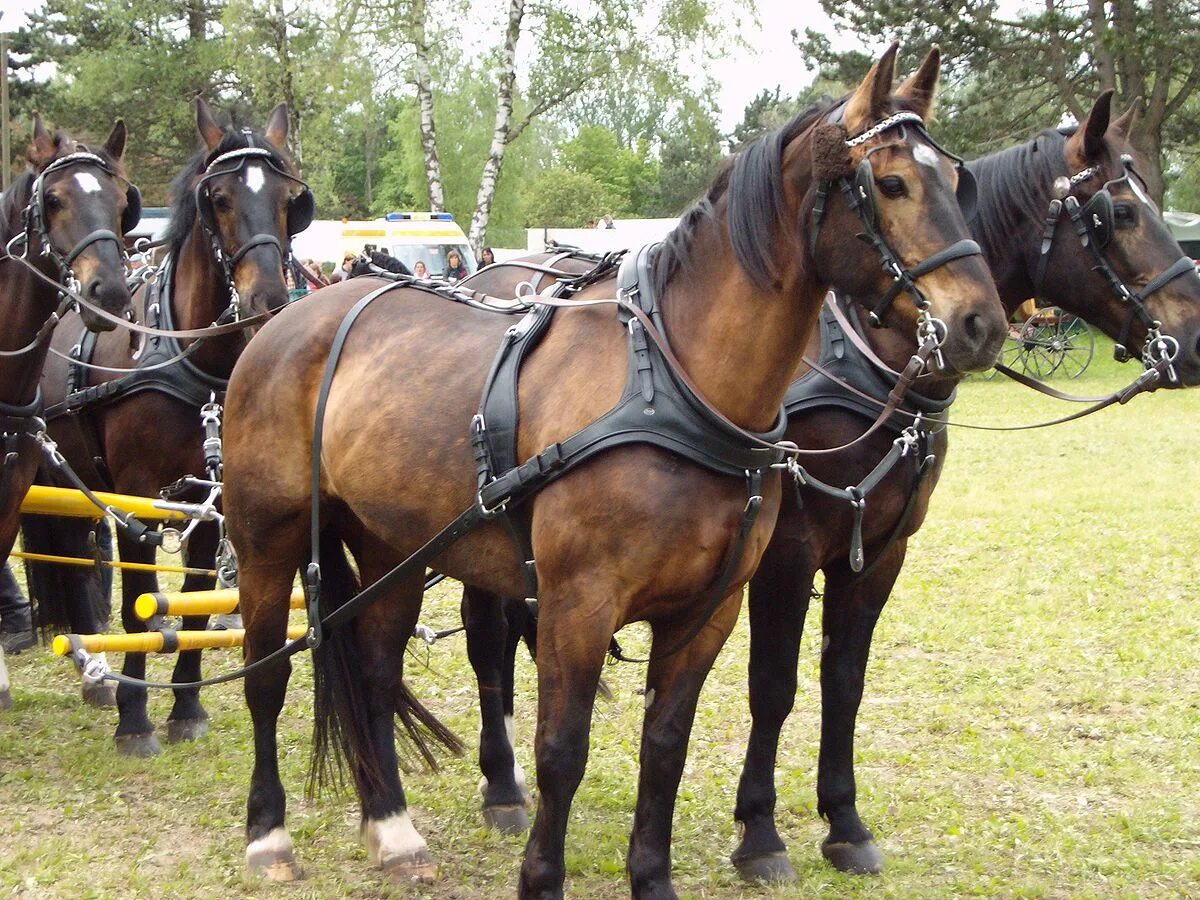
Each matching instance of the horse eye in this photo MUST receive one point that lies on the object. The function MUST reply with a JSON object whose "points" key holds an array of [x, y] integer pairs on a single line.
{"points": [[220, 201], [1125, 214], [893, 186], [52, 202]]}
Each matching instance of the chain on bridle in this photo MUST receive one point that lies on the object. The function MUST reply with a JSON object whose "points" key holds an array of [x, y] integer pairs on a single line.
{"points": [[300, 212], [859, 190], [1094, 225]]}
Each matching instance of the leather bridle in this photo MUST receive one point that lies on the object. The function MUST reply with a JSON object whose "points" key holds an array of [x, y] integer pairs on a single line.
{"points": [[859, 191], [1094, 226]]}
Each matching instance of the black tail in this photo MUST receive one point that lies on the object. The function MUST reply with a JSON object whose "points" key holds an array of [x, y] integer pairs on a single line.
{"points": [[64, 597], [341, 737]]}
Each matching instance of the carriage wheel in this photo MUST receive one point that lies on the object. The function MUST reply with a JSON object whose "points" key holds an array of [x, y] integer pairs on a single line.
{"points": [[1012, 354], [1078, 345], [1043, 347]]}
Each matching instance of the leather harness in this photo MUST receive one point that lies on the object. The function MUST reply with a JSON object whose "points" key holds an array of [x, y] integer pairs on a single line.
{"points": [[162, 366]]}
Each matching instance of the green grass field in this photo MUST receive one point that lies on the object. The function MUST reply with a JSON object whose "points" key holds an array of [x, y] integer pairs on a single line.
{"points": [[1030, 727]]}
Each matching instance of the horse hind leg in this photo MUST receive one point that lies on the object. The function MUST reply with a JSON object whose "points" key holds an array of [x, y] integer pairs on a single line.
{"points": [[850, 611], [188, 719], [359, 690], [488, 639]]}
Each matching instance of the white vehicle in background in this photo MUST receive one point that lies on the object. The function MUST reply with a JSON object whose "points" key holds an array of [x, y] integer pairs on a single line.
{"points": [[1185, 227], [411, 237]]}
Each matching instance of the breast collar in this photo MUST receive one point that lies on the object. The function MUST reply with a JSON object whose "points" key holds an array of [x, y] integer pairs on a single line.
{"points": [[182, 380], [839, 356], [654, 408]]}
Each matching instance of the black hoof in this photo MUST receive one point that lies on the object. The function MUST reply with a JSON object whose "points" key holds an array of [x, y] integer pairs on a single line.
{"points": [[100, 695], [770, 867], [179, 730], [142, 746], [509, 818], [5, 699], [854, 859]]}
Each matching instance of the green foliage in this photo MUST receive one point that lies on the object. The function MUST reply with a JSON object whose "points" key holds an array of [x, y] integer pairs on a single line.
{"points": [[561, 198]]}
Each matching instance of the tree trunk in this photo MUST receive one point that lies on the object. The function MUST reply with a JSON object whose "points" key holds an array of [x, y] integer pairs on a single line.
{"points": [[501, 133], [433, 168], [289, 93], [1147, 141]]}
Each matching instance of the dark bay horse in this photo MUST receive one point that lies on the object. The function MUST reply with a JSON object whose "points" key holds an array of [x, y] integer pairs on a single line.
{"points": [[636, 533], [138, 429], [65, 216], [1017, 190], [1017, 187]]}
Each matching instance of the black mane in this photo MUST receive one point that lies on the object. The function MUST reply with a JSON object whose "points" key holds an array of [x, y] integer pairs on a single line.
{"points": [[183, 197], [753, 180], [1015, 185]]}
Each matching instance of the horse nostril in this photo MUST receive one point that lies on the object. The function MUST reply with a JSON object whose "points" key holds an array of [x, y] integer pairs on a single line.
{"points": [[975, 329]]}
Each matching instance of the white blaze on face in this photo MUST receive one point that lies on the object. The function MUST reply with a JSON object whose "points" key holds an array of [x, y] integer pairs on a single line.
{"points": [[88, 183], [254, 178], [925, 155]]}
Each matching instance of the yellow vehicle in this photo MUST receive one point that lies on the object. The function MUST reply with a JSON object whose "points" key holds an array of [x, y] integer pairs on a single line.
{"points": [[411, 237]]}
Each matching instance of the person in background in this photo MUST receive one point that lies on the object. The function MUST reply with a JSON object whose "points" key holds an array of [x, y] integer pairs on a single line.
{"points": [[455, 270], [344, 271], [312, 274], [608, 221], [591, 223], [486, 257], [16, 622], [420, 270]]}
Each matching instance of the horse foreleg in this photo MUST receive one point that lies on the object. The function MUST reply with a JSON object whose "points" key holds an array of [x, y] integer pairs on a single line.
{"points": [[573, 638], [188, 719], [779, 596], [135, 733], [488, 635], [673, 686], [851, 609], [5, 692]]}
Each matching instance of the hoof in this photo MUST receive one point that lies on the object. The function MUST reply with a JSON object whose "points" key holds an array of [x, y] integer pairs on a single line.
{"points": [[416, 869], [100, 695], [180, 730], [770, 867], [854, 859], [510, 818], [142, 746], [271, 857], [5, 699]]}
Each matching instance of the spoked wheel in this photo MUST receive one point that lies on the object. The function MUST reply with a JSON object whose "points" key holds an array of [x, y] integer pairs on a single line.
{"points": [[1012, 354], [1078, 345], [1043, 350]]}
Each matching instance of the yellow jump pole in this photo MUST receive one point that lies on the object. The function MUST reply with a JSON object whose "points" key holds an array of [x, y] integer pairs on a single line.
{"points": [[111, 563], [165, 641], [53, 501], [196, 603]]}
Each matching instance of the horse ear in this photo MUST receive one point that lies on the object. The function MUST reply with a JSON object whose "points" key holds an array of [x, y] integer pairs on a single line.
{"points": [[870, 101], [920, 87], [1087, 143], [277, 126], [42, 149], [114, 144], [1124, 125], [210, 132]]}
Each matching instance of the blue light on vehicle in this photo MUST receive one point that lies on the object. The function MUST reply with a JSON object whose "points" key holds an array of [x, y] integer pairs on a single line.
{"points": [[443, 216], [397, 217]]}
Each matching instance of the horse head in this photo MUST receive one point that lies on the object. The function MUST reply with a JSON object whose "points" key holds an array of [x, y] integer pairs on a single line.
{"points": [[888, 217], [81, 204], [250, 201], [1111, 258]]}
